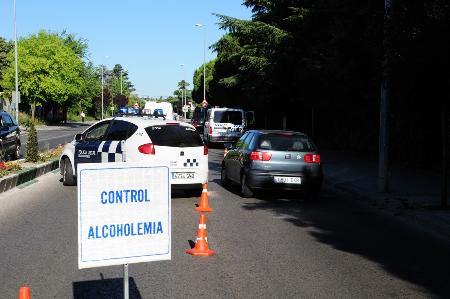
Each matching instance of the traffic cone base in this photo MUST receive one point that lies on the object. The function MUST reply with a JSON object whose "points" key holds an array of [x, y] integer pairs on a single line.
{"points": [[24, 293], [203, 205], [208, 252]]}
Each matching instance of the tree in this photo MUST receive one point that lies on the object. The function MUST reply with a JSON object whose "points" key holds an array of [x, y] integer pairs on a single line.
{"points": [[49, 70], [197, 92], [5, 48], [32, 154]]}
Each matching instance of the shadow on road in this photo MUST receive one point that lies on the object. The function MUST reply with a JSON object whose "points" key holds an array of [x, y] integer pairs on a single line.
{"points": [[104, 289], [338, 222]]}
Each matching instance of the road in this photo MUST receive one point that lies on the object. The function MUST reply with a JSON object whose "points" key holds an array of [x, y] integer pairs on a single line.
{"points": [[275, 246], [49, 137]]}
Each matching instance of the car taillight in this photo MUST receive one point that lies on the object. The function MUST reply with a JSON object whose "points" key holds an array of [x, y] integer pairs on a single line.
{"points": [[260, 156], [147, 149], [210, 130], [205, 150], [310, 158]]}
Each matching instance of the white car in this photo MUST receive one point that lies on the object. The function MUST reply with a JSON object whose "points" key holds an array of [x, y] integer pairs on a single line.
{"points": [[141, 139], [223, 125]]}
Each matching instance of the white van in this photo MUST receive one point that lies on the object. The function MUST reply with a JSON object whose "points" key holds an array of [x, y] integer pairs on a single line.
{"points": [[161, 109], [223, 125]]}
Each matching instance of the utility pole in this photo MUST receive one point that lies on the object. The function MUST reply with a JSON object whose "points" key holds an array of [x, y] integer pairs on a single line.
{"points": [[444, 129], [16, 67], [102, 91], [383, 159], [121, 82]]}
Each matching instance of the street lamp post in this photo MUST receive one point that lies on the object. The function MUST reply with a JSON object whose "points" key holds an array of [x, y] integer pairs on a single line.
{"points": [[16, 67], [121, 81], [102, 91], [204, 59]]}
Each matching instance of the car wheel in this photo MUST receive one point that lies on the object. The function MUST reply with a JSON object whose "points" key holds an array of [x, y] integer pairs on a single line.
{"points": [[68, 177], [224, 180], [16, 154], [245, 190]]}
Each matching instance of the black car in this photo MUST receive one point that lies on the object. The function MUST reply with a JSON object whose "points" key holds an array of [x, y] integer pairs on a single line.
{"points": [[272, 159], [9, 137]]}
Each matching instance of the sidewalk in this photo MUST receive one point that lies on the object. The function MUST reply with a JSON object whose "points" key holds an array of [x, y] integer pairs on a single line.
{"points": [[414, 195]]}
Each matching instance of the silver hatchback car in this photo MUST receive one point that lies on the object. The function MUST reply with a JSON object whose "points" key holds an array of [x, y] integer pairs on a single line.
{"points": [[270, 159]]}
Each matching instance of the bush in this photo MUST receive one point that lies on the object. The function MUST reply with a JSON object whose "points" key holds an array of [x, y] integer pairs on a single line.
{"points": [[32, 154]]}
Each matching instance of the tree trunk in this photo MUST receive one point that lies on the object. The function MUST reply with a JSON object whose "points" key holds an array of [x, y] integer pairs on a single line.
{"points": [[33, 110]]}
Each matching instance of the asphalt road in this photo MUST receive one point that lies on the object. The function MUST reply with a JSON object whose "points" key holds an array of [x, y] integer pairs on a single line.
{"points": [[275, 246], [51, 136]]}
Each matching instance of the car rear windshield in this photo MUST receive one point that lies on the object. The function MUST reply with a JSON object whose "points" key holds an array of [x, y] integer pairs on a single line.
{"points": [[286, 142], [233, 117], [174, 135]]}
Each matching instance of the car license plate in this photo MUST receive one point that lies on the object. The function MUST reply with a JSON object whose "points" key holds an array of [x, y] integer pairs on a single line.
{"points": [[182, 175], [287, 180]]}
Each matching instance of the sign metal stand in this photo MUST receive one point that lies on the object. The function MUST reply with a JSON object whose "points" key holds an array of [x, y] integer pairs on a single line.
{"points": [[126, 289]]}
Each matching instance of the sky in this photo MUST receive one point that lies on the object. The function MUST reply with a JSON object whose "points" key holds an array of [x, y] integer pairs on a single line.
{"points": [[149, 38]]}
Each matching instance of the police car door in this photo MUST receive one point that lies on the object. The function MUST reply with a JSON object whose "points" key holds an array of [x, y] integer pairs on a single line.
{"points": [[86, 150], [113, 147]]}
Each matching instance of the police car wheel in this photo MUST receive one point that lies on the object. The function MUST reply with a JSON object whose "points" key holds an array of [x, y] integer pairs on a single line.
{"points": [[68, 178]]}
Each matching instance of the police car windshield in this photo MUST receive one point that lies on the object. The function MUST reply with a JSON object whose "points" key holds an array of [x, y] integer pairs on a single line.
{"points": [[174, 136], [233, 117]]}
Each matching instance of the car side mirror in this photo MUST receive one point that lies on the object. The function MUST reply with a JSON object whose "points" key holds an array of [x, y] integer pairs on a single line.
{"points": [[78, 137]]}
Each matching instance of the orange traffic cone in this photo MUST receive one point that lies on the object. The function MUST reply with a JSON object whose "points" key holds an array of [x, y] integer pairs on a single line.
{"points": [[203, 205], [201, 246], [24, 293]]}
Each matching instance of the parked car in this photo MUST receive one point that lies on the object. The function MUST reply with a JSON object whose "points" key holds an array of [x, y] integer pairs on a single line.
{"points": [[9, 137], [141, 139], [268, 159]]}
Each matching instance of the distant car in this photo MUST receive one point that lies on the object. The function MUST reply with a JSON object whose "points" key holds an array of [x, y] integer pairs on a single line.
{"points": [[268, 159], [223, 125], [9, 137], [141, 139]]}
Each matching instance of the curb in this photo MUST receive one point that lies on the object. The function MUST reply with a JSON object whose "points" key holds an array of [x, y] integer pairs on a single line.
{"points": [[26, 175]]}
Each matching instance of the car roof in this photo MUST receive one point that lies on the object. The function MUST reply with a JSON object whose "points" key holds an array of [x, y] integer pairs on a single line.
{"points": [[277, 132], [225, 108], [144, 121]]}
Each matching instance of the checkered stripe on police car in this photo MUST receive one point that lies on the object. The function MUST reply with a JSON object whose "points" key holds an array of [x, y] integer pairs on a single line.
{"points": [[111, 151], [190, 163]]}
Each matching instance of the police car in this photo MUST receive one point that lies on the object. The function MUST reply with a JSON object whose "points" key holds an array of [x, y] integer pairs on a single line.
{"points": [[140, 139]]}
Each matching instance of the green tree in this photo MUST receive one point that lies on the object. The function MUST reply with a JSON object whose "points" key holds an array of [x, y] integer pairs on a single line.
{"points": [[197, 92], [49, 70], [5, 48], [32, 154]]}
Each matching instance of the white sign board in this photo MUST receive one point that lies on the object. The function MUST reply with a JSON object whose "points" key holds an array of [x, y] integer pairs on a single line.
{"points": [[185, 108], [124, 214]]}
